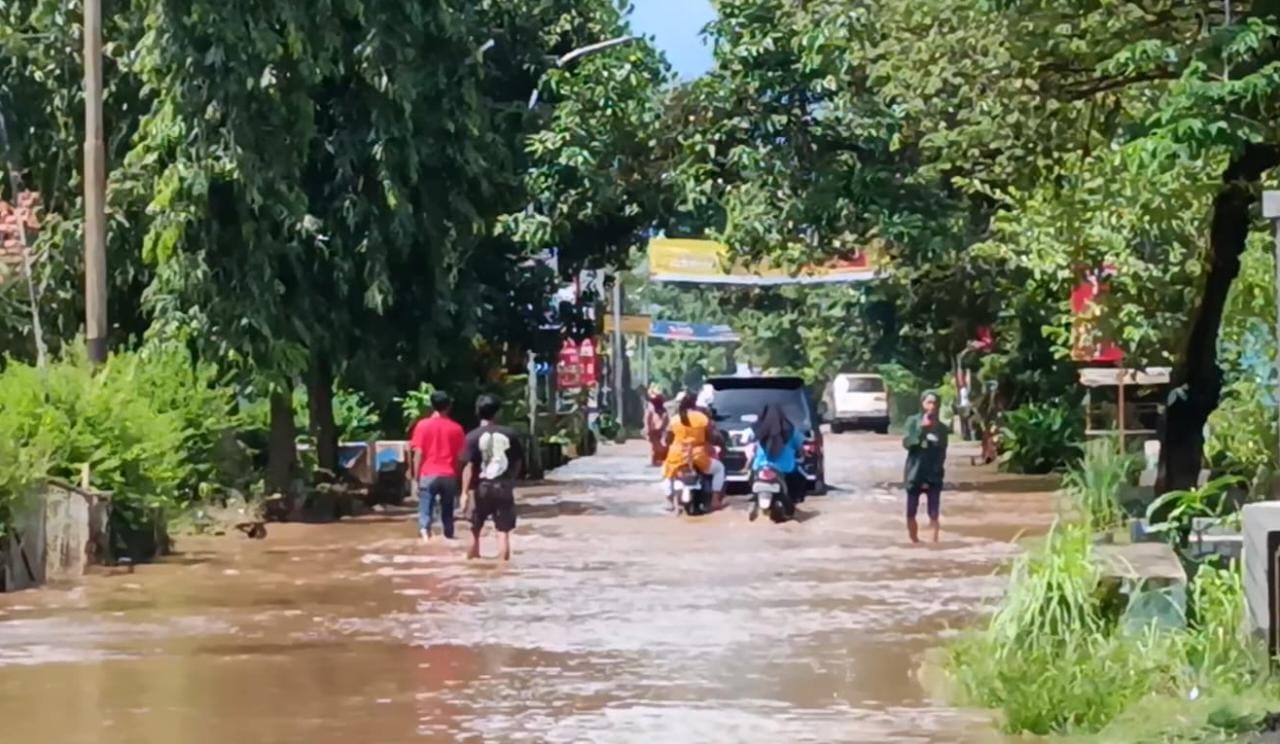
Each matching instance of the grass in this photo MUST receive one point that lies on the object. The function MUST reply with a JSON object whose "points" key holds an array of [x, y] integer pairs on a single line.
{"points": [[1055, 660], [1095, 483]]}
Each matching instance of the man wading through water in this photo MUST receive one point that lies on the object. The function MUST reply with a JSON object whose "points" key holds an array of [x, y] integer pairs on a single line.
{"points": [[436, 444], [926, 443], [493, 460]]}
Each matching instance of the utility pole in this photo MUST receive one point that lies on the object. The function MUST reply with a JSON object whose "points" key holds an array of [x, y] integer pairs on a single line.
{"points": [[535, 454], [619, 352], [95, 189], [1271, 210]]}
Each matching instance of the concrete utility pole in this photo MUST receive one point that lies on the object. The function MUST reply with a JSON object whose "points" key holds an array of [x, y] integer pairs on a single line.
{"points": [[95, 189], [1271, 210]]}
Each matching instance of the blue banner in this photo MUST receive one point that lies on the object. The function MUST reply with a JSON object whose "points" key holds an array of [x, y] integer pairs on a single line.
{"points": [[703, 332]]}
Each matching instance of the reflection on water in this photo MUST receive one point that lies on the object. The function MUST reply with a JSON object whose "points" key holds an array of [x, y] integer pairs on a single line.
{"points": [[617, 622]]}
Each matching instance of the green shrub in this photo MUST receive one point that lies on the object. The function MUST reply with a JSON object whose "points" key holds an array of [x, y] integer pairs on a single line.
{"points": [[416, 403], [1054, 659], [1242, 432], [904, 392], [354, 417], [1039, 437], [1051, 660], [1224, 657], [1095, 483], [1174, 512], [23, 462], [145, 425]]}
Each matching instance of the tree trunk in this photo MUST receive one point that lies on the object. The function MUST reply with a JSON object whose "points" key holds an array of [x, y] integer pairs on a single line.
{"points": [[282, 448], [1197, 379], [320, 403]]}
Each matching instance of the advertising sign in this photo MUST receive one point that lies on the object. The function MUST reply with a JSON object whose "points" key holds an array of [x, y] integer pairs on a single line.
{"points": [[706, 261], [590, 363], [569, 366], [704, 332]]}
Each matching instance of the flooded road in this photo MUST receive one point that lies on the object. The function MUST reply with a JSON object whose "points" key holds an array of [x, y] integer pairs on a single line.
{"points": [[615, 622]]}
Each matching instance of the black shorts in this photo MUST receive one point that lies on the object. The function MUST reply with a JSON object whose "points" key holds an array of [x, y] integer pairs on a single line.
{"points": [[932, 491], [494, 499]]}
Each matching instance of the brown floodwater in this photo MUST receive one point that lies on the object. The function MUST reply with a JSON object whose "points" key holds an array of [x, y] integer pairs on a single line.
{"points": [[615, 622]]}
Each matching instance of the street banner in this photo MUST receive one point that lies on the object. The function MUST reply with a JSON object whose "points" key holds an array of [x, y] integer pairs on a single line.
{"points": [[634, 325], [704, 332], [709, 262]]}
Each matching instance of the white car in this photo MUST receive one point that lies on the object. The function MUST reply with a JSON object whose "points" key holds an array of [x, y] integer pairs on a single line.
{"points": [[859, 401]]}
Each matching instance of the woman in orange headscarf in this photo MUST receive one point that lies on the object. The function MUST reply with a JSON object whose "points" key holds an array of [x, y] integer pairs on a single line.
{"points": [[692, 436]]}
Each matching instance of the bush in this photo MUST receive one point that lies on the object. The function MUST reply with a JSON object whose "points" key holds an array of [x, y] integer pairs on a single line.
{"points": [[1242, 433], [1039, 437], [146, 426], [905, 390], [354, 418], [1051, 660], [1095, 483], [1055, 660], [416, 403]]}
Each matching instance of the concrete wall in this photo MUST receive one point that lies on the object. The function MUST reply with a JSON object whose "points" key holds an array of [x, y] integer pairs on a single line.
{"points": [[60, 533], [1260, 520], [24, 550]]}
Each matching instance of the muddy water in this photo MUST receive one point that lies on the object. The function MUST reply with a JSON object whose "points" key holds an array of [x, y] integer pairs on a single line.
{"points": [[617, 622]]}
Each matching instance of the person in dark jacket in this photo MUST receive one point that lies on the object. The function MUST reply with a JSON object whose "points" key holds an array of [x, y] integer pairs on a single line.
{"points": [[926, 444]]}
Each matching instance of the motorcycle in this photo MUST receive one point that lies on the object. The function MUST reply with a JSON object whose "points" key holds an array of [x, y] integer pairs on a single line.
{"points": [[693, 492], [769, 495]]}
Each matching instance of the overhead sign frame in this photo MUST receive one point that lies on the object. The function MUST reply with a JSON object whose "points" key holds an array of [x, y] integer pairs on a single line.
{"points": [[710, 262]]}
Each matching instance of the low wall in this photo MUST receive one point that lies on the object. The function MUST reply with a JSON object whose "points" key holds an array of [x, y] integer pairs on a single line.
{"points": [[60, 532]]}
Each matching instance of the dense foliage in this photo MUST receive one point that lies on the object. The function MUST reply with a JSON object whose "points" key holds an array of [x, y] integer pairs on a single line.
{"points": [[1057, 657], [304, 193], [148, 428]]}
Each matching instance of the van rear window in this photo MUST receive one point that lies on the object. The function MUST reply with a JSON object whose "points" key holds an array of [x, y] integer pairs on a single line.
{"points": [[863, 385]]}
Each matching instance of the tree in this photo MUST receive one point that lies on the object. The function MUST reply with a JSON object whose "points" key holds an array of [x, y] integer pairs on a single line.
{"points": [[41, 101]]}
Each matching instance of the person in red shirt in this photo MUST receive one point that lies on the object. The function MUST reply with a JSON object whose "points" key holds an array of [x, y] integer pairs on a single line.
{"points": [[436, 443]]}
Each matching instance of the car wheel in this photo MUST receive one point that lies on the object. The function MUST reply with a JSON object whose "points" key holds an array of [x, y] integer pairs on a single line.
{"points": [[837, 427], [884, 429]]}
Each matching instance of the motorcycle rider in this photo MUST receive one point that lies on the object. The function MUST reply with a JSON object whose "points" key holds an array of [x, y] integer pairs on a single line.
{"points": [[692, 435], [777, 444]]}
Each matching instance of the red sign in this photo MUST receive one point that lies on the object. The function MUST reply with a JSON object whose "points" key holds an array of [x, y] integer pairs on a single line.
{"points": [[569, 366], [985, 341], [589, 362], [1087, 343]]}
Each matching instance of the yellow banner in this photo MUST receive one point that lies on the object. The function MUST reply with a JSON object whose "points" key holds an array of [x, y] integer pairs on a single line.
{"points": [[637, 325], [706, 261]]}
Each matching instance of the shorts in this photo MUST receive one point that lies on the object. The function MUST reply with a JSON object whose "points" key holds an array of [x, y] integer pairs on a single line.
{"points": [[932, 491], [494, 499]]}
